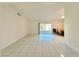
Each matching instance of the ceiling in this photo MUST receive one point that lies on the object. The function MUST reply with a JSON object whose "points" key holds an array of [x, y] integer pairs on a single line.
{"points": [[42, 12]]}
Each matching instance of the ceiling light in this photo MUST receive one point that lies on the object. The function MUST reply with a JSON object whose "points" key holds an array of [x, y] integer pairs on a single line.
{"points": [[47, 3], [62, 55], [62, 16]]}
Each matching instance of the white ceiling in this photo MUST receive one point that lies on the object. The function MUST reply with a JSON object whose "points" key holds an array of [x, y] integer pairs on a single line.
{"points": [[40, 11]]}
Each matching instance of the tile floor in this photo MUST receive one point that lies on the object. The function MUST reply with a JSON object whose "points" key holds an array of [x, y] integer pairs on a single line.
{"points": [[44, 45]]}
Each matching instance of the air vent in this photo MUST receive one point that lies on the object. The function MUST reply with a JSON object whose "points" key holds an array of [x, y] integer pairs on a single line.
{"points": [[18, 14]]}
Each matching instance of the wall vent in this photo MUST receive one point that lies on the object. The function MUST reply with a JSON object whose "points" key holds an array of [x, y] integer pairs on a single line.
{"points": [[18, 14]]}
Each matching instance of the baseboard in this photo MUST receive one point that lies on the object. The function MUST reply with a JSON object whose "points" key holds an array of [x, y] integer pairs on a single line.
{"points": [[72, 48], [20, 39], [0, 52], [14, 41], [32, 34]]}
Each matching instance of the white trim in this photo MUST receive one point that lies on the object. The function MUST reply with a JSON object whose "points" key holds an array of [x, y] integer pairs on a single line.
{"points": [[0, 52], [32, 34], [14, 42], [72, 47]]}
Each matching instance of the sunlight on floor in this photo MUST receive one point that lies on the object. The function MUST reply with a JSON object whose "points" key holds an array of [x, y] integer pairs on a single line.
{"points": [[46, 37]]}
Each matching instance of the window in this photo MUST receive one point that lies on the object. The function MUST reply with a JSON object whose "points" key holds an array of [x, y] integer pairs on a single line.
{"points": [[44, 28]]}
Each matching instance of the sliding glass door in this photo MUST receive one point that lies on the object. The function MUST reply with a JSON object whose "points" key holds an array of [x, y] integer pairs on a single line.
{"points": [[45, 28]]}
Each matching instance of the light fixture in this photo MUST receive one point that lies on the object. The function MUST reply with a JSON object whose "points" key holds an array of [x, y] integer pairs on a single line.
{"points": [[62, 55], [62, 16], [47, 3]]}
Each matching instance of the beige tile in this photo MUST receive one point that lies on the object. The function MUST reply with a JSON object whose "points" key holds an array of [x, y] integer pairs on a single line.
{"points": [[31, 46]]}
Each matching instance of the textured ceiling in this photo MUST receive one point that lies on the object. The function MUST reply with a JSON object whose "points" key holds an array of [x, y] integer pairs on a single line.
{"points": [[40, 11]]}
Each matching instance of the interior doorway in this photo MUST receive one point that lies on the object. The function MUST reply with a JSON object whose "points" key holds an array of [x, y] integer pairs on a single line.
{"points": [[45, 32], [45, 28]]}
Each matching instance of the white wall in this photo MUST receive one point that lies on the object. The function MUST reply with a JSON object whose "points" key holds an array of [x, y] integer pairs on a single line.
{"points": [[32, 27], [12, 26], [58, 24], [72, 26]]}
